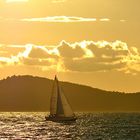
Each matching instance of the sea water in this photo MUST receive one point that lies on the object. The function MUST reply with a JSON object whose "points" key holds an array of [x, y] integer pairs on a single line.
{"points": [[89, 126]]}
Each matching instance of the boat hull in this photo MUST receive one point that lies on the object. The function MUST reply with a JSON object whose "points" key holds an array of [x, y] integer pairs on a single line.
{"points": [[61, 119]]}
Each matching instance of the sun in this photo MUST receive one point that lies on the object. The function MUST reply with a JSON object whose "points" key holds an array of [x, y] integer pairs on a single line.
{"points": [[11, 1]]}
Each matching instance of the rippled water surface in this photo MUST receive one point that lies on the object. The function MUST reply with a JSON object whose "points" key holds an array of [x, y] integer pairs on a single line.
{"points": [[89, 126]]}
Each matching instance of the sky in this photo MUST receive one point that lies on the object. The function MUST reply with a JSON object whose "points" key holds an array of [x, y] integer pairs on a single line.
{"points": [[89, 42]]}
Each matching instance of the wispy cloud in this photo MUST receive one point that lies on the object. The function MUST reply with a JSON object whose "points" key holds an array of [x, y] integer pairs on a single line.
{"points": [[66, 19], [122, 20], [60, 19], [104, 19], [11, 1], [58, 1]]}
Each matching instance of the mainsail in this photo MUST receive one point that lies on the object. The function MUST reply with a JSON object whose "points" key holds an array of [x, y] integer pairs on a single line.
{"points": [[59, 105]]}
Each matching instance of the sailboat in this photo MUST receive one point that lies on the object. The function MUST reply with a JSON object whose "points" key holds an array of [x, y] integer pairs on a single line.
{"points": [[60, 109]]}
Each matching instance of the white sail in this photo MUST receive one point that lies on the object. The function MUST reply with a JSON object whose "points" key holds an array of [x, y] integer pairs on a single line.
{"points": [[66, 106], [59, 105], [53, 103]]}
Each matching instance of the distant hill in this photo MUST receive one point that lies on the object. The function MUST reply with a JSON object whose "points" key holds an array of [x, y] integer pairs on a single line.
{"points": [[28, 93]]}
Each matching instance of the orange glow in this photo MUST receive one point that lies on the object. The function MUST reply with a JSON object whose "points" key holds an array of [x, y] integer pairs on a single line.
{"points": [[83, 41], [10, 1]]}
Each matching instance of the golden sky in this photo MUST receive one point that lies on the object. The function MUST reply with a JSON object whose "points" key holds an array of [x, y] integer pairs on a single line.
{"points": [[83, 41]]}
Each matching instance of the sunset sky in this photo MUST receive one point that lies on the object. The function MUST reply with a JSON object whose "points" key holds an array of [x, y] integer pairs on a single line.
{"points": [[91, 42]]}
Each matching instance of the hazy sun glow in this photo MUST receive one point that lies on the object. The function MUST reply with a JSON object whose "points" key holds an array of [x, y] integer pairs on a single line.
{"points": [[10, 1], [83, 41]]}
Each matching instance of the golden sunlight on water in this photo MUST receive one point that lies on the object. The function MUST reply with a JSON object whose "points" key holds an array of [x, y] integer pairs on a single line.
{"points": [[89, 126]]}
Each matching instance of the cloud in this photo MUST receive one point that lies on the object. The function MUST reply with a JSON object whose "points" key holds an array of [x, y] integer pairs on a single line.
{"points": [[66, 50], [99, 56], [10, 50], [37, 62], [11, 1], [104, 19], [91, 65], [108, 49], [41, 52], [58, 1], [122, 20], [71, 19], [60, 19], [105, 56], [38, 56], [84, 56]]}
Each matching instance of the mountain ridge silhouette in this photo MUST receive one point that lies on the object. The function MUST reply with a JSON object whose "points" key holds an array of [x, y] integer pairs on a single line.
{"points": [[32, 93]]}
